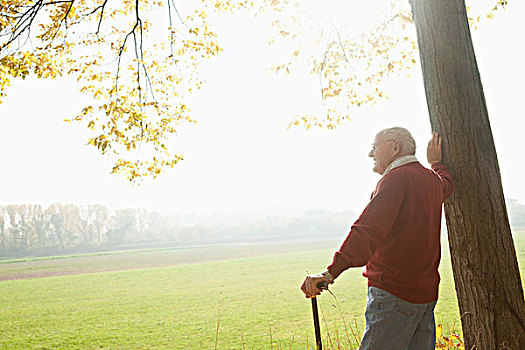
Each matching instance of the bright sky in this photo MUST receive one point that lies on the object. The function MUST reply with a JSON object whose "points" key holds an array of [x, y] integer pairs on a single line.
{"points": [[240, 156]]}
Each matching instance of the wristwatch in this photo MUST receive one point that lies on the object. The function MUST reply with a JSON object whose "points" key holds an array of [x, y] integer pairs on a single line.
{"points": [[328, 275]]}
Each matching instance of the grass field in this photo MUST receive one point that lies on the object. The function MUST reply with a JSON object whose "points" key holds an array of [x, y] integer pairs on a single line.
{"points": [[164, 299]]}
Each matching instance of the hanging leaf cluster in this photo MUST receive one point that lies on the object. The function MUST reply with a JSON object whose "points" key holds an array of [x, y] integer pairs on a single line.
{"points": [[137, 61], [352, 61]]}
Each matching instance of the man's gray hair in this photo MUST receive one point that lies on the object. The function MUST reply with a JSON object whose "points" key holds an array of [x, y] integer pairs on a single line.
{"points": [[401, 135]]}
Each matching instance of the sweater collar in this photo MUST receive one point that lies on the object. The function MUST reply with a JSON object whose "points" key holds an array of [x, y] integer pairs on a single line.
{"points": [[400, 161]]}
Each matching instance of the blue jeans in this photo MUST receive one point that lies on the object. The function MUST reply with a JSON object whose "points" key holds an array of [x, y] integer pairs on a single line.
{"points": [[395, 324]]}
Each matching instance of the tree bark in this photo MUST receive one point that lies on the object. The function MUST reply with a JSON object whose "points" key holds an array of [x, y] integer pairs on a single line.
{"points": [[486, 274]]}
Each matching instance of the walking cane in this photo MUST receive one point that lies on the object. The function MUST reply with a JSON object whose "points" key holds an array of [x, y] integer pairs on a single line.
{"points": [[318, 342]]}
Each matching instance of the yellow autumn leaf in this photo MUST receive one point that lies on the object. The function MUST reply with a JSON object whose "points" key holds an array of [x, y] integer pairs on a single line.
{"points": [[439, 331]]}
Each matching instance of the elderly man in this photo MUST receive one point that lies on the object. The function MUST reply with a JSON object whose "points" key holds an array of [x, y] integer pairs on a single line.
{"points": [[397, 239]]}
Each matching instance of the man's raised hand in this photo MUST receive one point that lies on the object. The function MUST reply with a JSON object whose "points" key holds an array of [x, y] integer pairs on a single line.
{"points": [[434, 149]]}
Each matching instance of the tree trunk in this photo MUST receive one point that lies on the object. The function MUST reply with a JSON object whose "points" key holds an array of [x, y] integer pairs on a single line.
{"points": [[486, 273]]}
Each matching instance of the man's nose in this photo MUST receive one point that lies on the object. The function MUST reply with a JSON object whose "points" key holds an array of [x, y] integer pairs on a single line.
{"points": [[371, 153]]}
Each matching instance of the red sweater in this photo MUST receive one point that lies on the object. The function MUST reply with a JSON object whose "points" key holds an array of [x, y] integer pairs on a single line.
{"points": [[397, 237]]}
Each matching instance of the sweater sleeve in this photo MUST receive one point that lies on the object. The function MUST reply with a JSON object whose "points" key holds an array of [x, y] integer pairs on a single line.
{"points": [[371, 227], [446, 179]]}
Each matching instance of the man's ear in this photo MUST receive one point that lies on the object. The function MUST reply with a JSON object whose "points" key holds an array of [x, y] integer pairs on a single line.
{"points": [[397, 148]]}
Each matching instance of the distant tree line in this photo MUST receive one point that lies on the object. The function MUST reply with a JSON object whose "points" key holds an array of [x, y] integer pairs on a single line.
{"points": [[62, 227]]}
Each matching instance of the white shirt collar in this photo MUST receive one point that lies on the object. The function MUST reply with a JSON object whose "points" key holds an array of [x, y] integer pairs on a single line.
{"points": [[400, 161]]}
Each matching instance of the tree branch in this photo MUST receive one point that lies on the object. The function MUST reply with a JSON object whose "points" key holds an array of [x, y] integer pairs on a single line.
{"points": [[21, 26], [178, 14], [139, 53], [323, 64], [341, 45], [121, 50], [64, 19], [26, 18], [58, 2], [101, 15]]}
